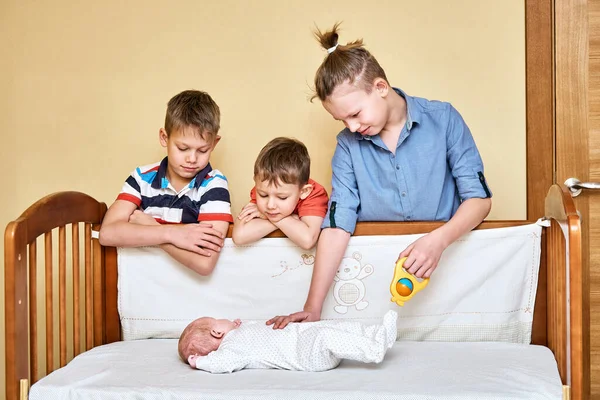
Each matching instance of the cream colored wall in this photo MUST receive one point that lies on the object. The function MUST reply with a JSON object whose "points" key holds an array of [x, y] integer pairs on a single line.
{"points": [[85, 85]]}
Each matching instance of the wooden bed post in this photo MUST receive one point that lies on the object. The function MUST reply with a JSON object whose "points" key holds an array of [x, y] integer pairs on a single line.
{"points": [[568, 299], [16, 309]]}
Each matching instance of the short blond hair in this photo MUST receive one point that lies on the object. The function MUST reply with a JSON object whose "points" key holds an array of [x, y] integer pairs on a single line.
{"points": [[196, 339], [196, 109], [283, 160]]}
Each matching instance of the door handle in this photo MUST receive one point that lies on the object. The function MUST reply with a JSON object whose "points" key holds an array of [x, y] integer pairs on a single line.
{"points": [[576, 186]]}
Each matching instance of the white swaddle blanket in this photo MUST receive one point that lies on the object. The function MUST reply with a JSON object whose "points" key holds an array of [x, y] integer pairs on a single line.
{"points": [[309, 346]]}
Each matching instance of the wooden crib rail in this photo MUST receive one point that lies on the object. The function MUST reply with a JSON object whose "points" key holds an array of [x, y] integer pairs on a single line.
{"points": [[568, 293], [55, 211]]}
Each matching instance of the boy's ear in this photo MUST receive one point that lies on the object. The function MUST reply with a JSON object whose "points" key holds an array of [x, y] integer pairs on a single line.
{"points": [[305, 191], [216, 334], [381, 87], [215, 141], [163, 137]]}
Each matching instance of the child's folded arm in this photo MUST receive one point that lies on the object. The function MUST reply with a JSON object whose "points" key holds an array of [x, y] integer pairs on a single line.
{"points": [[203, 262], [245, 232], [302, 231], [116, 230]]}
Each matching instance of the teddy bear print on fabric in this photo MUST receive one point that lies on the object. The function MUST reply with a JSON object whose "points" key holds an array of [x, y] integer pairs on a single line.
{"points": [[349, 290]]}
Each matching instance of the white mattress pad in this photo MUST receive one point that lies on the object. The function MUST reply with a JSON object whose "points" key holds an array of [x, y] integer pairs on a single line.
{"points": [[151, 370]]}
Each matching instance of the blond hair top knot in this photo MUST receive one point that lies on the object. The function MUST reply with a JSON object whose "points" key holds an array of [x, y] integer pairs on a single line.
{"points": [[350, 63]]}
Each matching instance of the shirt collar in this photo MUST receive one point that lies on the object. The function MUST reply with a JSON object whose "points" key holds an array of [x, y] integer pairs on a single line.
{"points": [[161, 182], [413, 114]]}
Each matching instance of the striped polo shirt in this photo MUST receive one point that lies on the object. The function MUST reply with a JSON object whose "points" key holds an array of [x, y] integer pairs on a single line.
{"points": [[205, 198]]}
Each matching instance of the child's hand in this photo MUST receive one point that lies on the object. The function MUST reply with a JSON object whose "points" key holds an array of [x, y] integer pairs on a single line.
{"points": [[249, 212], [281, 321], [199, 238], [423, 255], [141, 218]]}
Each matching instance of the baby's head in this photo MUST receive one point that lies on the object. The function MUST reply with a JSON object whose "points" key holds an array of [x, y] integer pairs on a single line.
{"points": [[203, 336], [281, 174]]}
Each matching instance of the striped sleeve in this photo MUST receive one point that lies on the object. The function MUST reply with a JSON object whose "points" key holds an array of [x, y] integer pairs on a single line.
{"points": [[214, 203], [131, 189]]}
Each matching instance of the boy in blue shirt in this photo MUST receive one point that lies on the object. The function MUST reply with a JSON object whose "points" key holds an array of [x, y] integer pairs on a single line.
{"points": [[400, 158], [181, 203]]}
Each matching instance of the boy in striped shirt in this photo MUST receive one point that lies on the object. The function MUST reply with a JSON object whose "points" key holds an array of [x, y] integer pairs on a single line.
{"points": [[181, 203]]}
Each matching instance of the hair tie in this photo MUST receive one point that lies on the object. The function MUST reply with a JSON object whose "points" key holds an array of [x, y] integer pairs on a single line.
{"points": [[332, 49]]}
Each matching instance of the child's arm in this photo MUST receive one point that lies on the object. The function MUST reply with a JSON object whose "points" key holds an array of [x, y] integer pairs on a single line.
{"points": [[202, 264], [466, 167], [330, 251], [424, 254], [251, 226], [116, 230], [304, 228], [302, 231]]}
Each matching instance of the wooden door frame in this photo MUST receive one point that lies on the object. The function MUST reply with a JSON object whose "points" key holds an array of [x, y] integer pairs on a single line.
{"points": [[557, 70], [539, 103]]}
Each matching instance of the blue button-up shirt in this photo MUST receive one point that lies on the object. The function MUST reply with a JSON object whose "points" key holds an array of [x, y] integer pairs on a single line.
{"points": [[434, 167]]}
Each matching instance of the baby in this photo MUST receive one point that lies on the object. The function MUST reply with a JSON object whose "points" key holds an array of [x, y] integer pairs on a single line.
{"points": [[221, 345]]}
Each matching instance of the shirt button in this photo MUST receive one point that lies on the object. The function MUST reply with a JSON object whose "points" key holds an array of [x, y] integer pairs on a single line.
{"points": [[397, 167], [403, 194], [408, 217]]}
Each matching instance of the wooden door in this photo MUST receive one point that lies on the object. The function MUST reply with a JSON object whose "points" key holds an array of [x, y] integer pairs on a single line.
{"points": [[577, 137]]}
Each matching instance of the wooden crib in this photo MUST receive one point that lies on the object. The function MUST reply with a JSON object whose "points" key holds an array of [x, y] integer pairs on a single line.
{"points": [[561, 317]]}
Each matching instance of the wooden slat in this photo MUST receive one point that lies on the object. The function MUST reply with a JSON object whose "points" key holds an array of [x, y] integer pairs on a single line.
{"points": [[89, 329], [62, 295], [33, 340], [113, 323], [579, 312], [76, 296], [539, 332], [49, 304], [557, 336], [98, 290]]}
